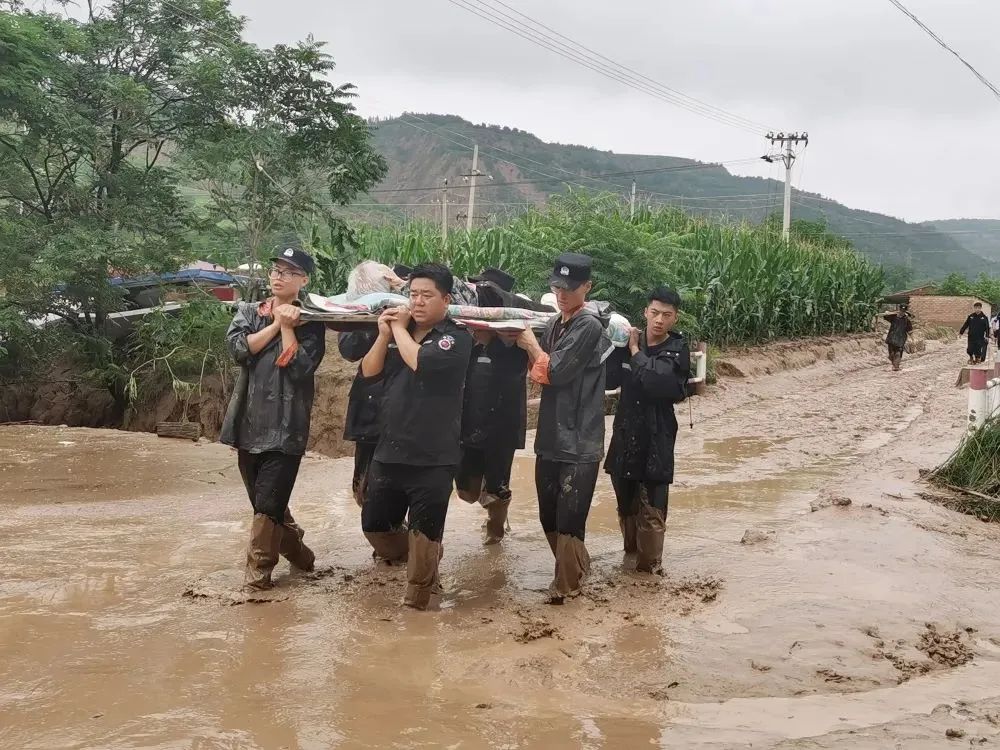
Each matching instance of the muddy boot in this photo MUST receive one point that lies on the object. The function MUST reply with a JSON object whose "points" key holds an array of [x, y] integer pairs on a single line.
{"points": [[389, 546], [292, 547], [651, 525], [496, 520], [572, 566], [421, 570], [262, 555], [628, 525]]}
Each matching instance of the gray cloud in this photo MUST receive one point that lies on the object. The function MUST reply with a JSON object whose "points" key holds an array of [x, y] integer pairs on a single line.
{"points": [[898, 125]]}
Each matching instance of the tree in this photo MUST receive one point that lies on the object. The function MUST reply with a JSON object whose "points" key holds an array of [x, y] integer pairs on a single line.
{"points": [[290, 150], [954, 285], [88, 111], [897, 276]]}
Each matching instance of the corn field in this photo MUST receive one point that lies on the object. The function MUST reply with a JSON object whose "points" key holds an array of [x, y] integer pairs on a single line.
{"points": [[740, 283]]}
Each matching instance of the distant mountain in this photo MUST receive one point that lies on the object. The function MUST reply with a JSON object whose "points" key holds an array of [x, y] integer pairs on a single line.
{"points": [[422, 150], [979, 236]]}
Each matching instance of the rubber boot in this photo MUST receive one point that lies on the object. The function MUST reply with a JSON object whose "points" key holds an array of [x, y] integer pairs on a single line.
{"points": [[628, 525], [292, 547], [262, 554], [421, 570], [496, 520], [572, 567], [389, 546], [651, 526]]}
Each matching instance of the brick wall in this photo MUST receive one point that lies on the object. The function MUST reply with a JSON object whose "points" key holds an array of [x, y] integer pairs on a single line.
{"points": [[944, 311]]}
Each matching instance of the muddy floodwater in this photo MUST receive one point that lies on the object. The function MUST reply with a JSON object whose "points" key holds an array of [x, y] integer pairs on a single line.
{"points": [[814, 596]]}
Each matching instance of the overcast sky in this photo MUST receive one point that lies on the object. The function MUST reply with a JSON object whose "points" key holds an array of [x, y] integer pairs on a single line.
{"points": [[897, 124]]}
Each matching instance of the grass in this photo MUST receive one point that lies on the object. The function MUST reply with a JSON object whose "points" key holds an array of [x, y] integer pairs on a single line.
{"points": [[974, 467]]}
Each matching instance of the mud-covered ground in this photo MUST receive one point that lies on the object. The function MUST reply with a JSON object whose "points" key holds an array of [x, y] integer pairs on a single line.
{"points": [[813, 599]]}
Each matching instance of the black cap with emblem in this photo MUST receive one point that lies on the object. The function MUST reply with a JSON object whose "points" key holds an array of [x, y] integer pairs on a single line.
{"points": [[570, 271], [293, 254]]}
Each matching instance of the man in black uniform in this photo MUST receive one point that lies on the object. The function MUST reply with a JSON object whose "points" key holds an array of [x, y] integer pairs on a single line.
{"points": [[269, 413], [569, 440], [641, 455], [494, 419], [978, 326], [422, 355], [900, 325], [494, 416], [361, 424]]}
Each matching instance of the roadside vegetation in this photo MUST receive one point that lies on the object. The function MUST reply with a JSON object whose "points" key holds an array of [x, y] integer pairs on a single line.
{"points": [[974, 471]]}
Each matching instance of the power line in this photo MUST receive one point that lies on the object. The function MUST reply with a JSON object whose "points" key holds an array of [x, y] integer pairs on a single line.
{"points": [[754, 124], [552, 44], [982, 79]]}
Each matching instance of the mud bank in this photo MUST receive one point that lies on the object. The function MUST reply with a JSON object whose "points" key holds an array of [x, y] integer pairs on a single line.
{"points": [[867, 625], [63, 399], [769, 359]]}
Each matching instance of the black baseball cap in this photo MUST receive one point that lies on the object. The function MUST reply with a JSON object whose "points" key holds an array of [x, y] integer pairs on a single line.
{"points": [[295, 256], [570, 271], [402, 271], [502, 279]]}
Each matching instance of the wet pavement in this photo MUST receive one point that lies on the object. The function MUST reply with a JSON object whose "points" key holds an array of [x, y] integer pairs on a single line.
{"points": [[869, 626]]}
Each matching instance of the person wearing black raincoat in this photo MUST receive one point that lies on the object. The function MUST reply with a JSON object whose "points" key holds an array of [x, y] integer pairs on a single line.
{"points": [[978, 327], [641, 455], [269, 413], [568, 363], [361, 425], [494, 415], [900, 325]]}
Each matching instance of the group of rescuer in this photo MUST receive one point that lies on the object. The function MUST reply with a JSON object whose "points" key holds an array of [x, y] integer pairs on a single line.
{"points": [[435, 406]]}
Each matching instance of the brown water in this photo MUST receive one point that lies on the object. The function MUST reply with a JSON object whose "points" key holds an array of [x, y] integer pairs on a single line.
{"points": [[769, 643]]}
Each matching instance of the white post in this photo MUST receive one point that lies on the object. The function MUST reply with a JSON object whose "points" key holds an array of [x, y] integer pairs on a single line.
{"points": [[979, 400], [631, 214]]}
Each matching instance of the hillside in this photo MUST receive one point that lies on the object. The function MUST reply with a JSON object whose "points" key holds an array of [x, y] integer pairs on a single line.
{"points": [[979, 236], [422, 152]]}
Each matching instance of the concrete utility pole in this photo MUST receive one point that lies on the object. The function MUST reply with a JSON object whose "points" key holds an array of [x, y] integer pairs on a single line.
{"points": [[631, 212], [786, 140], [444, 212], [472, 187], [471, 179]]}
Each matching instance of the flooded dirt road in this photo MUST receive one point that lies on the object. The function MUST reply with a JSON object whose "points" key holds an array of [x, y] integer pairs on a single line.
{"points": [[869, 625]]}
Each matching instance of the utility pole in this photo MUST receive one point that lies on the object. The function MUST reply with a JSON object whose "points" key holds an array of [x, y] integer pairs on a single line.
{"points": [[787, 157], [472, 187], [444, 213], [471, 179], [631, 213]]}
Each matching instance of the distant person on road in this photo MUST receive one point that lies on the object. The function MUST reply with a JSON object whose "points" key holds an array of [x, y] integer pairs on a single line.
{"points": [[569, 440], [978, 327], [268, 416], [641, 456], [900, 325], [995, 327], [422, 356]]}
